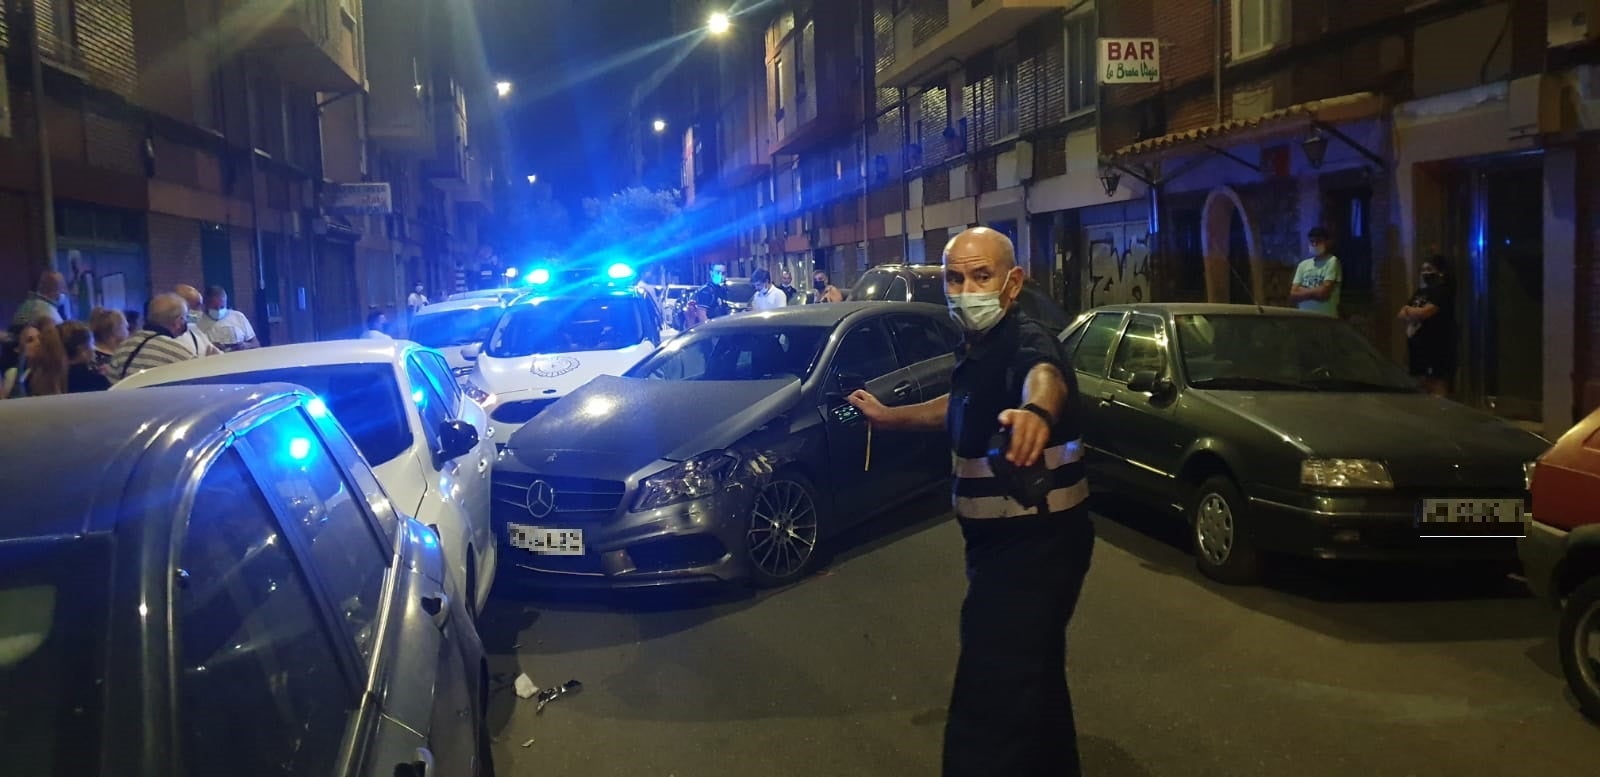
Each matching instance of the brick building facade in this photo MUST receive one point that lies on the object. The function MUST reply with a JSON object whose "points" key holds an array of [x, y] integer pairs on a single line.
{"points": [[199, 142]]}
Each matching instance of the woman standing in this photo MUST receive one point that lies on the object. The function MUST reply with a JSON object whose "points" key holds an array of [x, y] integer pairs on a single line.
{"points": [[110, 328], [82, 373], [1430, 319]]}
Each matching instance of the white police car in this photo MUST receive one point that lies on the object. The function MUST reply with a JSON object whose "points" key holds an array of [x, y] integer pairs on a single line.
{"points": [[454, 324], [548, 345]]}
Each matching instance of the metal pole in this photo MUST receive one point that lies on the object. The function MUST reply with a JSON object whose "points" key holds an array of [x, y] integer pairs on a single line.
{"points": [[47, 199], [1216, 65], [905, 169]]}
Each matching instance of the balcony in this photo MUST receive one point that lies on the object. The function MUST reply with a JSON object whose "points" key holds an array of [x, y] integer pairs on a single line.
{"points": [[970, 29], [312, 43], [400, 110]]}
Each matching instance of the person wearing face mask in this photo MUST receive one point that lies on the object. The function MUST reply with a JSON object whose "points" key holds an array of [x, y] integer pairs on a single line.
{"points": [[712, 298], [192, 334], [164, 339], [1430, 319], [786, 285], [1021, 501], [825, 291], [767, 296], [1318, 279], [229, 329]]}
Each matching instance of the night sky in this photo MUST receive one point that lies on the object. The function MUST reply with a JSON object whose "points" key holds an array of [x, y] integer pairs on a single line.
{"points": [[574, 64]]}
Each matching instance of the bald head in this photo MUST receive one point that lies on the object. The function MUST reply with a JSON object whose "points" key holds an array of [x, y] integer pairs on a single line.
{"points": [[169, 312], [51, 284], [981, 260], [982, 242], [189, 294]]}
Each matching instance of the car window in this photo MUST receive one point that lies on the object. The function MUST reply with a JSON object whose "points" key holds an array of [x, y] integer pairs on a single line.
{"points": [[364, 398], [568, 325], [1141, 350], [866, 351], [443, 383], [328, 515], [253, 655], [359, 471], [898, 290], [1094, 347], [448, 328], [929, 289], [919, 339], [722, 354], [873, 286], [430, 405]]}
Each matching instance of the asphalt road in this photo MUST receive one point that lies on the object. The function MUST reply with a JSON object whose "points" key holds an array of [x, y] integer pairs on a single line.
{"points": [[1331, 672]]}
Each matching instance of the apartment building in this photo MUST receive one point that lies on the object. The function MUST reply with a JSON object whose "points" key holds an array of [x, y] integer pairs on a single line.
{"points": [[206, 141]]}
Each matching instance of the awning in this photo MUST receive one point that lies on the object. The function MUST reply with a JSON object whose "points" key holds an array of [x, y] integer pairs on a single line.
{"points": [[1350, 107]]}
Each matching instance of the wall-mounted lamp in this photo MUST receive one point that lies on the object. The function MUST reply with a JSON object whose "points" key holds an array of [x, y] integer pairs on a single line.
{"points": [[1316, 148], [1110, 179]]}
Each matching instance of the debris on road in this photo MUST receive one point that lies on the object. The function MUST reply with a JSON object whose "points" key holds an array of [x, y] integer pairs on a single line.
{"points": [[551, 694], [525, 687], [528, 743]]}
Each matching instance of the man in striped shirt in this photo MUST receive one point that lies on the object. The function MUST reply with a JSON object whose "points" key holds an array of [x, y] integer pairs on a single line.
{"points": [[160, 342], [1027, 554]]}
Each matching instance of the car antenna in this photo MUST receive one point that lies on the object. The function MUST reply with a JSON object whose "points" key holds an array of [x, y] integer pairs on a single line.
{"points": [[1234, 271]]}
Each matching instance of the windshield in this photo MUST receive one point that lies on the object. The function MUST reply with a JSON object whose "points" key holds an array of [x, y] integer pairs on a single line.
{"points": [[752, 354], [875, 286], [365, 398], [454, 327], [1285, 353], [570, 326], [52, 632]]}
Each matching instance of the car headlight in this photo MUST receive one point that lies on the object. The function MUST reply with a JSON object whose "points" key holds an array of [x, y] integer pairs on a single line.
{"points": [[1345, 473], [1527, 474], [477, 393], [696, 478]]}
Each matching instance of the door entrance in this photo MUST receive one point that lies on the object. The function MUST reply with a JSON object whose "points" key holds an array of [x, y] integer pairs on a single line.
{"points": [[1496, 210]]}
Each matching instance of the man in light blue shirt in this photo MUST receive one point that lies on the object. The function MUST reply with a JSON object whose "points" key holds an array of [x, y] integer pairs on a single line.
{"points": [[1317, 279]]}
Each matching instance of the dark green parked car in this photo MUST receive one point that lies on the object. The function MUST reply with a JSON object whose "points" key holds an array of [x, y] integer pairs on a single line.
{"points": [[1277, 431]]}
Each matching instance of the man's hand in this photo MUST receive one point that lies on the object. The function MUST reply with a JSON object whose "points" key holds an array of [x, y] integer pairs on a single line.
{"points": [[1029, 435], [876, 412]]}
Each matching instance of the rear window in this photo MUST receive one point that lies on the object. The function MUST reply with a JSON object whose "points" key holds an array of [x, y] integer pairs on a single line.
{"points": [[873, 286], [52, 665], [364, 398]]}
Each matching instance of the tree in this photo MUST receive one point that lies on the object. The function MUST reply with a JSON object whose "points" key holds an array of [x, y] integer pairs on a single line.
{"points": [[542, 224], [637, 218]]}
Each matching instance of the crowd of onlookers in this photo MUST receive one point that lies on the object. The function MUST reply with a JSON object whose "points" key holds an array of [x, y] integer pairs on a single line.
{"points": [[45, 351]]}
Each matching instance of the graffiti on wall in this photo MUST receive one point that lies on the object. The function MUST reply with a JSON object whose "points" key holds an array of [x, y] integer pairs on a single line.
{"points": [[1118, 270]]}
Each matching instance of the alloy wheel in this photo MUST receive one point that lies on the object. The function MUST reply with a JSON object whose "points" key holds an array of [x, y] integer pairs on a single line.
{"points": [[1214, 528], [1587, 646], [782, 536]]}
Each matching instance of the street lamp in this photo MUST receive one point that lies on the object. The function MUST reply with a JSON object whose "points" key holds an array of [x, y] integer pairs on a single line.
{"points": [[533, 178], [1316, 148], [1110, 178], [502, 88], [719, 23], [659, 125]]}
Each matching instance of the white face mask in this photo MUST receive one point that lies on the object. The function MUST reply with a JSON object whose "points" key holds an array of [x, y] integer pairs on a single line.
{"points": [[978, 311], [216, 315]]}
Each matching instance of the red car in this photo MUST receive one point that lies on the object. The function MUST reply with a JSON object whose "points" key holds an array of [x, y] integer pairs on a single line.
{"points": [[1561, 554]]}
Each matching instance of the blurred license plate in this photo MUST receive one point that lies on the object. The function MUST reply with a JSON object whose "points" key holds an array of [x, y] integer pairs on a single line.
{"points": [[553, 542], [1472, 518]]}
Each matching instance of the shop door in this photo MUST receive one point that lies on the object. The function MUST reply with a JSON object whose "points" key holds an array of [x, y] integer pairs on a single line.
{"points": [[338, 310]]}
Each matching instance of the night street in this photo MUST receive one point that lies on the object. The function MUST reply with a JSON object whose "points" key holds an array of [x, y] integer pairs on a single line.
{"points": [[1352, 672]]}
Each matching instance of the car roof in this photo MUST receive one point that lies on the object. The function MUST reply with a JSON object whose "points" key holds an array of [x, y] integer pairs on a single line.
{"points": [[917, 269], [828, 314], [1166, 309], [277, 357], [580, 293], [465, 303], [72, 456]]}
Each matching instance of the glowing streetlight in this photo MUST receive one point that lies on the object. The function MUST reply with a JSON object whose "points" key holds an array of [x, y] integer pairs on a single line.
{"points": [[502, 88], [533, 178], [719, 23], [659, 125]]}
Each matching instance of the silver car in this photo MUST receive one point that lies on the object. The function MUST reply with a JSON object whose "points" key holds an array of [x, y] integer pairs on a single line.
{"points": [[209, 580]]}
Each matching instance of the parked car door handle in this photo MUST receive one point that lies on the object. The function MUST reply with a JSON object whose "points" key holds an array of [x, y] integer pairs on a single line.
{"points": [[437, 605], [903, 390], [422, 767], [1105, 401]]}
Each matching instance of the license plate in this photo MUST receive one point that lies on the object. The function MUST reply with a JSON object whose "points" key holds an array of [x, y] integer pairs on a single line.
{"points": [[1472, 518], [551, 542]]}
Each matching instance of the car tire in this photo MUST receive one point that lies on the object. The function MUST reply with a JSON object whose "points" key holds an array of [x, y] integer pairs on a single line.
{"points": [[1580, 622], [782, 530], [1222, 550]]}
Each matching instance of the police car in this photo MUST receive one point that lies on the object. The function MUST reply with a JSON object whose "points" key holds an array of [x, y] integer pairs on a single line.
{"points": [[458, 328], [548, 344]]}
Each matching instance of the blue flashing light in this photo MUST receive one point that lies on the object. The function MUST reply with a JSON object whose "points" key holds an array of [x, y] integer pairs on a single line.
{"points": [[299, 448], [317, 408], [619, 271], [538, 276], [416, 396]]}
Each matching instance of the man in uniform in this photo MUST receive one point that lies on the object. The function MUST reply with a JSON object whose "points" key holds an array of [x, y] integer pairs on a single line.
{"points": [[1010, 710]]}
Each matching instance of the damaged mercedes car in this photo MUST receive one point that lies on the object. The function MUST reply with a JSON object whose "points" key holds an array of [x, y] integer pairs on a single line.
{"points": [[730, 453]]}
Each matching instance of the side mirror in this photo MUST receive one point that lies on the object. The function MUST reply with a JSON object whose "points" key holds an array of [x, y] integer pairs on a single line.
{"points": [[471, 352], [1150, 383], [845, 383], [456, 439]]}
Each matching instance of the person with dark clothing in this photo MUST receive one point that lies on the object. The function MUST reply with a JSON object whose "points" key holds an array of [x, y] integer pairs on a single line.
{"points": [[1021, 501], [712, 298], [1430, 318], [786, 285], [77, 340]]}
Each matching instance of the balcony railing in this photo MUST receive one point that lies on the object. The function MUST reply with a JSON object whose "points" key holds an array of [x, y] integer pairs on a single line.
{"points": [[922, 42]]}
